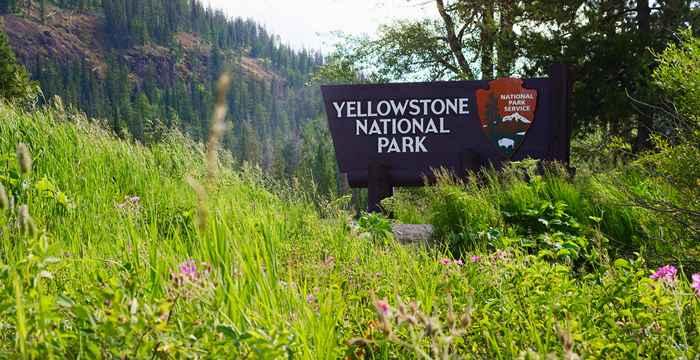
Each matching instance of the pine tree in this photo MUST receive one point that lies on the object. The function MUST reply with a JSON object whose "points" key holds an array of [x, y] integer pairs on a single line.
{"points": [[42, 11], [250, 145], [7, 6], [14, 80]]}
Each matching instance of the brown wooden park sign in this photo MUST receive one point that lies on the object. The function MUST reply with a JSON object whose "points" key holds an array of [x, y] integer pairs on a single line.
{"points": [[397, 134]]}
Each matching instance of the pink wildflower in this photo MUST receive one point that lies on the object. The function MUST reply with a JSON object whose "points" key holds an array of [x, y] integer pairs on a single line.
{"points": [[665, 273], [696, 284], [188, 269], [500, 254], [475, 258], [382, 307], [310, 299], [459, 262], [130, 202], [445, 261]]}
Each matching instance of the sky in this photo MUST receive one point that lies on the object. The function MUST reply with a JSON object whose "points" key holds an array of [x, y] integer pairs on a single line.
{"points": [[310, 23]]}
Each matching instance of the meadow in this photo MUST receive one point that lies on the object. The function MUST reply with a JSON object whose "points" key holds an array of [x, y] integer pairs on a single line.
{"points": [[115, 250]]}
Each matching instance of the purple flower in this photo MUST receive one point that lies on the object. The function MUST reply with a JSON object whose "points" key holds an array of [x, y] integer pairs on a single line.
{"points": [[500, 254], [188, 269], [382, 307], [130, 202], [475, 258], [310, 299], [448, 262], [696, 284], [665, 273]]}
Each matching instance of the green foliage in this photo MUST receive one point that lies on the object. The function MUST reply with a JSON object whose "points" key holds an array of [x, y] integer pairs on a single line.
{"points": [[119, 275], [14, 79], [410, 205], [460, 216], [633, 314], [679, 76], [577, 221], [376, 226]]}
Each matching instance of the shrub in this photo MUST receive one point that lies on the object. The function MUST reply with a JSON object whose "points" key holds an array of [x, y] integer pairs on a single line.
{"points": [[376, 226]]}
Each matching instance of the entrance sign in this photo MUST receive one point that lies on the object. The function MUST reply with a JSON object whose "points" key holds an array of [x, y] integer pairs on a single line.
{"points": [[396, 134]]}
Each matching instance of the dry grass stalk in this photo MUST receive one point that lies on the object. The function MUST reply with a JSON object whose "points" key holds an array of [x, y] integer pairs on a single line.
{"points": [[202, 209], [24, 158], [25, 223], [4, 199], [218, 125]]}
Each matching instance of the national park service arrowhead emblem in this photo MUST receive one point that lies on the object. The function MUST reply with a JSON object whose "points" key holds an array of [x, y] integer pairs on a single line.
{"points": [[506, 112]]}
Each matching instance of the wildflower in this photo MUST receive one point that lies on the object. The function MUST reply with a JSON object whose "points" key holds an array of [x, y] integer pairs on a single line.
{"points": [[188, 269], [310, 299], [130, 202], [500, 255], [475, 258], [447, 262], [382, 307], [696, 284], [24, 159], [665, 273], [191, 274]]}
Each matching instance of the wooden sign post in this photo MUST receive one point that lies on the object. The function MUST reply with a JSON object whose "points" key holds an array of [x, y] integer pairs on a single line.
{"points": [[390, 135]]}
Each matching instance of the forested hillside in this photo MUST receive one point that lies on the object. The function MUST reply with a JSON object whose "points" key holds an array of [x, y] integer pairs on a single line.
{"points": [[148, 66]]}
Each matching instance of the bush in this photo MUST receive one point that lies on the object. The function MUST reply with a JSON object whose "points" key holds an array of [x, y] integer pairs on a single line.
{"points": [[580, 221], [459, 216], [375, 226]]}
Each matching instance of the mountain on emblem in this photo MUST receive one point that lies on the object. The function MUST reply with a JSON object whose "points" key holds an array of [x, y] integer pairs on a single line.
{"points": [[517, 118], [506, 112]]}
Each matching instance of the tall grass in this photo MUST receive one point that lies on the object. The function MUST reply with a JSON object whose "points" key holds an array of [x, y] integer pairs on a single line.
{"points": [[273, 280]]}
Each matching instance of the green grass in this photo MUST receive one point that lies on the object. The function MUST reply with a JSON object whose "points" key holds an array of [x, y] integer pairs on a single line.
{"points": [[97, 282]]}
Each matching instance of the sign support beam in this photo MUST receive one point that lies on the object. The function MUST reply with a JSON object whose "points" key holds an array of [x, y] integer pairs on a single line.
{"points": [[379, 185]]}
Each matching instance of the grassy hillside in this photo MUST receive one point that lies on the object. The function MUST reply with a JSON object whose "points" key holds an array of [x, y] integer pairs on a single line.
{"points": [[108, 260]]}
